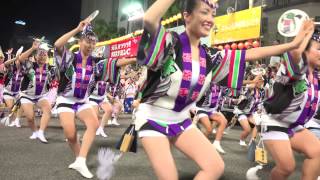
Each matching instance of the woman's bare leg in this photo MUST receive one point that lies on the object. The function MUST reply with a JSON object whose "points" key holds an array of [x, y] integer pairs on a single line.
{"points": [[306, 142], [196, 146], [282, 154], [159, 154]]}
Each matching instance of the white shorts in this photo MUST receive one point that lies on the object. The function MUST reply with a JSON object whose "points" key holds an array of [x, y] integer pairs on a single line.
{"points": [[26, 99], [316, 132], [201, 115], [7, 95], [274, 135], [242, 117], [62, 100]]}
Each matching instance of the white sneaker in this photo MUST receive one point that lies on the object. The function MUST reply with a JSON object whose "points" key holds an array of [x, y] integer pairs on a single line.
{"points": [[54, 113], [34, 135], [98, 131], [103, 134], [218, 147], [12, 124], [41, 137], [82, 168], [115, 122], [242, 143], [109, 122], [17, 122]]}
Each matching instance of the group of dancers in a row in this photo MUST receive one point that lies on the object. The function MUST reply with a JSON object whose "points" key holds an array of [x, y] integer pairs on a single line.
{"points": [[78, 85], [183, 76]]}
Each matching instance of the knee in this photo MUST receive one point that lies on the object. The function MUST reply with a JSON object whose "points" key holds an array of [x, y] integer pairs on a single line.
{"points": [[46, 111], [216, 169], [209, 129], [223, 122], [29, 118], [313, 153], [219, 169], [247, 130], [94, 124], [72, 139], [287, 168], [108, 111]]}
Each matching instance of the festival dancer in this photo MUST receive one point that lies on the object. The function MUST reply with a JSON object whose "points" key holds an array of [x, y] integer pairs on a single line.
{"points": [[130, 92], [98, 98], [117, 107], [77, 73], [294, 102], [34, 87], [207, 111], [12, 83], [2, 75], [180, 70], [254, 94]]}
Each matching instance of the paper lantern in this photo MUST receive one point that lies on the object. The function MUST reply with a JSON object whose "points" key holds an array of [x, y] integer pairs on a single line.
{"points": [[163, 23], [220, 47], [167, 21], [247, 44], [171, 19], [179, 16], [256, 44], [234, 46], [175, 17], [227, 46], [240, 45]]}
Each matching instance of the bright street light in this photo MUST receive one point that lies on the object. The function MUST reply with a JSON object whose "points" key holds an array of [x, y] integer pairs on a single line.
{"points": [[20, 22], [134, 11]]}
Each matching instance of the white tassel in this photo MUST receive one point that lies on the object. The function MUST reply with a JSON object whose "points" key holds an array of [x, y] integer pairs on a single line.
{"points": [[252, 173], [107, 158], [5, 121]]}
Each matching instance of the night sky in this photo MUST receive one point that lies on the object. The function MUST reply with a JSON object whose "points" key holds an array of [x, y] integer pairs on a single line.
{"points": [[49, 18]]}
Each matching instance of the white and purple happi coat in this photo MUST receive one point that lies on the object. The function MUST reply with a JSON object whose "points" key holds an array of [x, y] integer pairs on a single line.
{"points": [[168, 93], [209, 103], [12, 81], [76, 83], [295, 97], [35, 84]]}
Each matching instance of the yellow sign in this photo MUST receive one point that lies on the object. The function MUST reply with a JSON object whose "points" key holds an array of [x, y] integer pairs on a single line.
{"points": [[237, 26]]}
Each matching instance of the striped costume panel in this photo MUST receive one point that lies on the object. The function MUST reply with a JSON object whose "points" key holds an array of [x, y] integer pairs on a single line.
{"points": [[155, 51], [231, 66]]}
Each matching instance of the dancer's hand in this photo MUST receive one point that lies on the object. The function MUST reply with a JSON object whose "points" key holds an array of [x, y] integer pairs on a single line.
{"points": [[35, 44], [258, 79], [136, 103], [306, 29], [82, 24], [9, 51]]}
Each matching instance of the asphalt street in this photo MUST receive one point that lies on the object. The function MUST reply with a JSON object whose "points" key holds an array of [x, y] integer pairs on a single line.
{"points": [[25, 159]]}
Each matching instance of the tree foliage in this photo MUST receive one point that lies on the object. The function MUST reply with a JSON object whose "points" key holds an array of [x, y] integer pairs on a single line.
{"points": [[106, 31], [173, 10]]}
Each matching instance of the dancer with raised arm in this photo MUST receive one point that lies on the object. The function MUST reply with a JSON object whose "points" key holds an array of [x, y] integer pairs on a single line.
{"points": [[77, 75], [180, 71]]}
